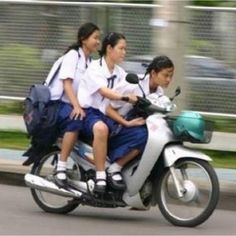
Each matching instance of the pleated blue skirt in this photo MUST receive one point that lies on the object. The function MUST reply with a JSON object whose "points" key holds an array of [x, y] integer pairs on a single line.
{"points": [[126, 140]]}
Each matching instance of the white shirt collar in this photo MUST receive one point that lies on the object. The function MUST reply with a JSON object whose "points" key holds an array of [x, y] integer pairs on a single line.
{"points": [[145, 85], [82, 57], [108, 74]]}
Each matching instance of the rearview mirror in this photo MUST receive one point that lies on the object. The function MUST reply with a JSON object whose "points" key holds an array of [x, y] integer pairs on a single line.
{"points": [[177, 92], [132, 78]]}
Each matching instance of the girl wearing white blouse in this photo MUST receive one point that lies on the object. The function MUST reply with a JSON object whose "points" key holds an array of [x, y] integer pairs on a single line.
{"points": [[95, 91]]}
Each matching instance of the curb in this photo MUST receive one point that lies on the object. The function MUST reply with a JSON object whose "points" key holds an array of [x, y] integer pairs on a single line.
{"points": [[8, 178]]}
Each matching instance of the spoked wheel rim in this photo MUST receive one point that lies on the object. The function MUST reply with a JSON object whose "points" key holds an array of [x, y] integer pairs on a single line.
{"points": [[46, 169], [197, 194]]}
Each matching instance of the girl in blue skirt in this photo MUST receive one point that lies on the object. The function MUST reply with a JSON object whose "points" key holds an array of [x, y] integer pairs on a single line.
{"points": [[130, 134], [95, 91]]}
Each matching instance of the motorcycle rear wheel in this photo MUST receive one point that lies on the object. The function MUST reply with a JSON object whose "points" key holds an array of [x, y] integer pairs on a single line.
{"points": [[200, 197], [49, 202]]}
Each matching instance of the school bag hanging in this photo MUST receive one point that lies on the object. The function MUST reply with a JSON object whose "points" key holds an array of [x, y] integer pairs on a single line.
{"points": [[39, 111]]}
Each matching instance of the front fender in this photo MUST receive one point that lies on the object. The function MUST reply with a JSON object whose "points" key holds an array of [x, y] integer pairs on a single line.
{"points": [[174, 152]]}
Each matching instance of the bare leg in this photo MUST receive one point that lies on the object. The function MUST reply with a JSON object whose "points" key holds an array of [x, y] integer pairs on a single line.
{"points": [[118, 165], [115, 168], [68, 142], [100, 132], [128, 157]]}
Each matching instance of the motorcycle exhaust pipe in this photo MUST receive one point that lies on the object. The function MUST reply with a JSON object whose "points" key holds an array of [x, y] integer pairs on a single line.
{"points": [[42, 184]]}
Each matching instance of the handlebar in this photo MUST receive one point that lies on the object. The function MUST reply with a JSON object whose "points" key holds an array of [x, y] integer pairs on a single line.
{"points": [[146, 108], [143, 105], [154, 108]]}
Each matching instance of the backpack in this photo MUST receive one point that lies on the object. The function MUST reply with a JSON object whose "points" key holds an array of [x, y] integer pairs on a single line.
{"points": [[40, 117], [40, 113]]}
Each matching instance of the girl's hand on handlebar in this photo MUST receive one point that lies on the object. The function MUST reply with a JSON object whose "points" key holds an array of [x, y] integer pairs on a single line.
{"points": [[136, 122], [132, 98]]}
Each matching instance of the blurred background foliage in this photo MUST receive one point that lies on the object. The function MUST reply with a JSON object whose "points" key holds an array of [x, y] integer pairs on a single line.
{"points": [[18, 54]]}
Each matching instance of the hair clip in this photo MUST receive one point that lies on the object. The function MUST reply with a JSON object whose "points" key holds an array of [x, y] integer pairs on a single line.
{"points": [[110, 35]]}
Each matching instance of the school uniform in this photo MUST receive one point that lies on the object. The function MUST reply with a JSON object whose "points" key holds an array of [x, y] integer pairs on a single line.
{"points": [[73, 66], [126, 139], [96, 77]]}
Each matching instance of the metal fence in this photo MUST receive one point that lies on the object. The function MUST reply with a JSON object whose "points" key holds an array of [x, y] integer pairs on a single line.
{"points": [[211, 35], [34, 33]]}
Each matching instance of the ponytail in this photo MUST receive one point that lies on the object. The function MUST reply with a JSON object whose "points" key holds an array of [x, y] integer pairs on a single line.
{"points": [[84, 32], [159, 63]]}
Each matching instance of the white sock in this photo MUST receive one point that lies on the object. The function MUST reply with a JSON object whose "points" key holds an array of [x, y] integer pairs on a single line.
{"points": [[115, 167], [101, 175], [61, 166]]}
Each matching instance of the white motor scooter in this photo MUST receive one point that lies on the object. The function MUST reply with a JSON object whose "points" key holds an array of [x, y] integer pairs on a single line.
{"points": [[178, 179]]}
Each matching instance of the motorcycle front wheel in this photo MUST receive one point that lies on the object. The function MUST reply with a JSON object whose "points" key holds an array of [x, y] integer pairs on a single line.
{"points": [[200, 193], [47, 201]]}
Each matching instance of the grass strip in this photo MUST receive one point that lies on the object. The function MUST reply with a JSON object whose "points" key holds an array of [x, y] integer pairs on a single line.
{"points": [[18, 140], [14, 140]]}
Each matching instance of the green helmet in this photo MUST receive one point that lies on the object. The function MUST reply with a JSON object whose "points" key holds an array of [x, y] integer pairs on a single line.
{"points": [[190, 125]]}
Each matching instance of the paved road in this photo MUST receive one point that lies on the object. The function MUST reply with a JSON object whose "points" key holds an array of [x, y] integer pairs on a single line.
{"points": [[20, 215]]}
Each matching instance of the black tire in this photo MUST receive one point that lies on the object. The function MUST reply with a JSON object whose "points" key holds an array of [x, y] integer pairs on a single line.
{"points": [[39, 196], [164, 192]]}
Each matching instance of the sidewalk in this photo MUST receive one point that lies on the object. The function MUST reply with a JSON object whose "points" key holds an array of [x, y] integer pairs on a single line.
{"points": [[12, 122], [11, 161]]}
